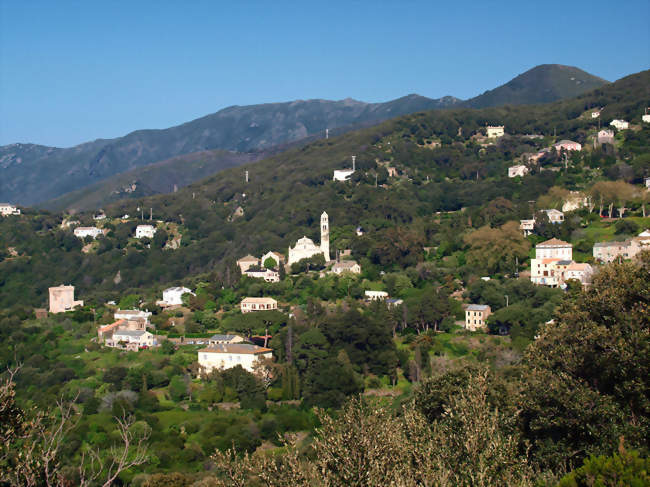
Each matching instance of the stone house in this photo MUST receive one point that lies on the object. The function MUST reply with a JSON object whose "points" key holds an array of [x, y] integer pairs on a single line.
{"points": [[247, 262], [62, 299], [229, 339], [476, 316], [567, 145]]}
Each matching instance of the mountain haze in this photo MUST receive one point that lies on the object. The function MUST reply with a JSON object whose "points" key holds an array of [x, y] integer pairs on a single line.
{"points": [[33, 174]]}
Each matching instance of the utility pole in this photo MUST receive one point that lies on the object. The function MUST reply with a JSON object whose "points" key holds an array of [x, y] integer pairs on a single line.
{"points": [[246, 176], [150, 214], [354, 158], [327, 133], [507, 300]]}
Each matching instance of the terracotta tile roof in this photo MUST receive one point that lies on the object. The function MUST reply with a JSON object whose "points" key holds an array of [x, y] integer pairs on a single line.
{"points": [[112, 326]]}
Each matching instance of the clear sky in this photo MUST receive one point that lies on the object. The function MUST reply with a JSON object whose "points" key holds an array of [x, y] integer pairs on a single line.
{"points": [[76, 71]]}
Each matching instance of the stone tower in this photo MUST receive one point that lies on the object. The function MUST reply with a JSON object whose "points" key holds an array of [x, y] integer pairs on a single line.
{"points": [[325, 236]]}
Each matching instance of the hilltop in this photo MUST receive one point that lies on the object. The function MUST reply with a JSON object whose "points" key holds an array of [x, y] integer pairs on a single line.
{"points": [[33, 174], [541, 84]]}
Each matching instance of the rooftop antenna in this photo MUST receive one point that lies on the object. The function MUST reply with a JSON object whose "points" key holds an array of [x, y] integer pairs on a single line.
{"points": [[353, 163], [327, 133], [150, 214], [246, 176]]}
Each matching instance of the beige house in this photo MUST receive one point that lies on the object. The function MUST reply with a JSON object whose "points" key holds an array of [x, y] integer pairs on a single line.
{"points": [[476, 316], [605, 137], [7, 209], [247, 262], [580, 272], [249, 305], [611, 251], [62, 299], [225, 356], [494, 131], [221, 339], [527, 226], [346, 266]]}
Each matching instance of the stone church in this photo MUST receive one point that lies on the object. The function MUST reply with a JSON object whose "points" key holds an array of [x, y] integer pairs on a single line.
{"points": [[305, 247]]}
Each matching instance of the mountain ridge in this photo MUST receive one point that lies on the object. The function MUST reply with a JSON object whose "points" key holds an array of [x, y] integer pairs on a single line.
{"points": [[33, 174]]}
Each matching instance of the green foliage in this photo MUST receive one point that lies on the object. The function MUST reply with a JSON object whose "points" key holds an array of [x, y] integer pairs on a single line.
{"points": [[621, 469]]}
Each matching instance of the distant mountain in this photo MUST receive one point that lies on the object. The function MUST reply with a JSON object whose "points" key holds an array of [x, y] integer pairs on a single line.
{"points": [[32, 173], [542, 84], [161, 177]]}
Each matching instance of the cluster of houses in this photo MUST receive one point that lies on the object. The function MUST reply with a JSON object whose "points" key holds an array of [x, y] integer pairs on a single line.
{"points": [[304, 248], [628, 249], [553, 265], [128, 332], [141, 231], [7, 209]]}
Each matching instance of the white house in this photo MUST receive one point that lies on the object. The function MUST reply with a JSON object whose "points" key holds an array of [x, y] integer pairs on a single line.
{"points": [[226, 355], [554, 249], [83, 232], [520, 170], [342, 174], [135, 337], [376, 295], [619, 124], [346, 266], [143, 231], [305, 247], [645, 118], [476, 316], [595, 114], [494, 132], [7, 209], [527, 226], [173, 296], [567, 145], [249, 305], [551, 260], [554, 216], [268, 275]]}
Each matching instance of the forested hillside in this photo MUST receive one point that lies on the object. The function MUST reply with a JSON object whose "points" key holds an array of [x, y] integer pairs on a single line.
{"points": [[359, 392]]}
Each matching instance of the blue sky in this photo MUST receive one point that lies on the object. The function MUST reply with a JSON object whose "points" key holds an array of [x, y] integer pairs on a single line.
{"points": [[76, 71]]}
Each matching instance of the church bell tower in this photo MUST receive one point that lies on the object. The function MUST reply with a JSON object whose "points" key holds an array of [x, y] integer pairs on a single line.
{"points": [[325, 236]]}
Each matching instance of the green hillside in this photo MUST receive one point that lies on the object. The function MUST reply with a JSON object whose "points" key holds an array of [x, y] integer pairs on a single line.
{"points": [[541, 84]]}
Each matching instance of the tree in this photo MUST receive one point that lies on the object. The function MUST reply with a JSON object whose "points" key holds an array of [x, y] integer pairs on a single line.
{"points": [[495, 249], [31, 450], [270, 263]]}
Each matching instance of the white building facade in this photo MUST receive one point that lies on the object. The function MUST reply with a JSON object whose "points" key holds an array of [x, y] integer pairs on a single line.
{"points": [[305, 247], [520, 170], [83, 232], [225, 356], [145, 231], [7, 209]]}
